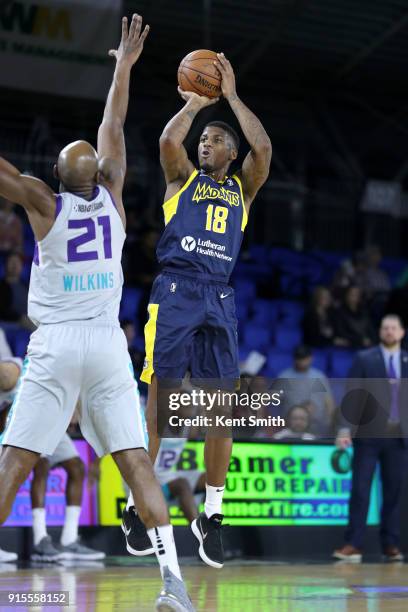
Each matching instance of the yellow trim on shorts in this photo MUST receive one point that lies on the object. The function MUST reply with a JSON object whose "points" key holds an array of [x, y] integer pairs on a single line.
{"points": [[170, 207], [150, 337], [244, 210]]}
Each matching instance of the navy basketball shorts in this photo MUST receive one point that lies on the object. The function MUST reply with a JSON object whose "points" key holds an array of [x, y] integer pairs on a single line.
{"points": [[192, 327]]}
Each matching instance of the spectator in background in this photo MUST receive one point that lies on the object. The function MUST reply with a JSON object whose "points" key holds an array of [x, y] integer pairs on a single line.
{"points": [[143, 268], [375, 280], [14, 292], [351, 272], [375, 421], [11, 228], [136, 356], [308, 384], [133, 233], [376, 284], [353, 327], [142, 263], [297, 425], [318, 328]]}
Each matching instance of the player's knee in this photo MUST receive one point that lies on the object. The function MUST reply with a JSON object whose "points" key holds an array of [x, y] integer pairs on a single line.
{"points": [[143, 464], [134, 465], [75, 468]]}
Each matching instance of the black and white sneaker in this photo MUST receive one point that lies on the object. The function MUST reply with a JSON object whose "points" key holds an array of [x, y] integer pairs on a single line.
{"points": [[137, 541], [209, 533]]}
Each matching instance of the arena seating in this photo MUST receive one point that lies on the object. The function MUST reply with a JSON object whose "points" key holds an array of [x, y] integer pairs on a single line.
{"points": [[270, 326]]}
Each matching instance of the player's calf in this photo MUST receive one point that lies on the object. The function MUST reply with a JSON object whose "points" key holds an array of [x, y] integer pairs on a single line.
{"points": [[137, 470], [15, 466]]}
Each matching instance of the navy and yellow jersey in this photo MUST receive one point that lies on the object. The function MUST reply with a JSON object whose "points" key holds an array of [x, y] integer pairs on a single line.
{"points": [[205, 222]]}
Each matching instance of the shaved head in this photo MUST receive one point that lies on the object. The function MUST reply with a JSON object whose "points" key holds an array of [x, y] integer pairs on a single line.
{"points": [[77, 165]]}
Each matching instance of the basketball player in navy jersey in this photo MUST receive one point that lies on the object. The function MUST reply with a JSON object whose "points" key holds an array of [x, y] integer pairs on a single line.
{"points": [[79, 348], [192, 323]]}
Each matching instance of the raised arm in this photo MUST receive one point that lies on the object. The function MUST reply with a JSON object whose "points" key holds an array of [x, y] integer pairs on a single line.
{"points": [[111, 140], [173, 155], [31, 193], [255, 168]]}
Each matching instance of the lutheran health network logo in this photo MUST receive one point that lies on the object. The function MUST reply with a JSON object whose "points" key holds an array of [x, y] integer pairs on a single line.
{"points": [[204, 247], [188, 243]]}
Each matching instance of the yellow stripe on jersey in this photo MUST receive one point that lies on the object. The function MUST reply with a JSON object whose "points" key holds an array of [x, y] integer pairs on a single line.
{"points": [[150, 338], [170, 207], [244, 210]]}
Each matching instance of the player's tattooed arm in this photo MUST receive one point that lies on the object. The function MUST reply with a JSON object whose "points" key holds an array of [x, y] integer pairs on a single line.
{"points": [[111, 140], [33, 194], [255, 168], [173, 155]]}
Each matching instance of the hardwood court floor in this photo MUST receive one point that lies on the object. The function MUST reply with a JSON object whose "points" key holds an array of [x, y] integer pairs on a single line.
{"points": [[128, 585]]}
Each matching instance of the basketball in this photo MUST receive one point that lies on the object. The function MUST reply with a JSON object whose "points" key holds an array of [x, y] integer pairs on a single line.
{"points": [[197, 73]]}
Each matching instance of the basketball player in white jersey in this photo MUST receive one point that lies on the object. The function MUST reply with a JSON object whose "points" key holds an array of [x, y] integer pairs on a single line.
{"points": [[79, 347], [180, 485], [10, 368]]}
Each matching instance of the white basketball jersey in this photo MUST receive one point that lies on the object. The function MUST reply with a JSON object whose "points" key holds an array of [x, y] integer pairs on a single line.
{"points": [[76, 273], [168, 455]]}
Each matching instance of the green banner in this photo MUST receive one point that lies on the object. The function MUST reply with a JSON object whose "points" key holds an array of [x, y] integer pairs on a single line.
{"points": [[288, 484]]}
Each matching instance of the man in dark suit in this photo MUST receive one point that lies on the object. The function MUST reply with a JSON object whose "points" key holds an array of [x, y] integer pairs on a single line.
{"points": [[376, 411]]}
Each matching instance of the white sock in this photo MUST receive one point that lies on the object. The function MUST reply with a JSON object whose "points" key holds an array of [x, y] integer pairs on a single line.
{"points": [[70, 530], [39, 526], [130, 501], [165, 548], [213, 500]]}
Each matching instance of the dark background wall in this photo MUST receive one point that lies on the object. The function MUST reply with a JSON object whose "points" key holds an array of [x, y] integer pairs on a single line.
{"points": [[328, 81]]}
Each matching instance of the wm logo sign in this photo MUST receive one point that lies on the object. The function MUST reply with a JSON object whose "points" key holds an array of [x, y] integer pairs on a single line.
{"points": [[35, 20]]}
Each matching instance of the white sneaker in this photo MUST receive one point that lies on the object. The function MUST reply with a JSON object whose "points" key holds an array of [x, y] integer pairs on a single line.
{"points": [[6, 557]]}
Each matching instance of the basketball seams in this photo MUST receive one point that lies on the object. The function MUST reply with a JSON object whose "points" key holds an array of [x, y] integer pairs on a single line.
{"points": [[199, 59], [211, 76]]}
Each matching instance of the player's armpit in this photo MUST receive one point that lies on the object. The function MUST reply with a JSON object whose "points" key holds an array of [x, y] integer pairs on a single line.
{"points": [[111, 176], [111, 172]]}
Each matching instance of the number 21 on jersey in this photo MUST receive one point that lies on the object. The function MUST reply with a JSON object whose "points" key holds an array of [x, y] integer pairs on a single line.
{"points": [[216, 219], [89, 235]]}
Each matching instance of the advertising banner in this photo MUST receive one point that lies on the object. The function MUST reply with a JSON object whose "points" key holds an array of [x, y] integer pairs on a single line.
{"points": [[59, 46], [55, 497], [279, 484]]}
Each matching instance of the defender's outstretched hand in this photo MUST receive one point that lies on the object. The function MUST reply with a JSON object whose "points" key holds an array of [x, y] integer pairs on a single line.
{"points": [[228, 77], [200, 101], [131, 44]]}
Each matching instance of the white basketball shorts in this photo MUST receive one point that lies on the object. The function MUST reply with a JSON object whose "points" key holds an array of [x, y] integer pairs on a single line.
{"points": [[65, 451], [68, 361]]}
